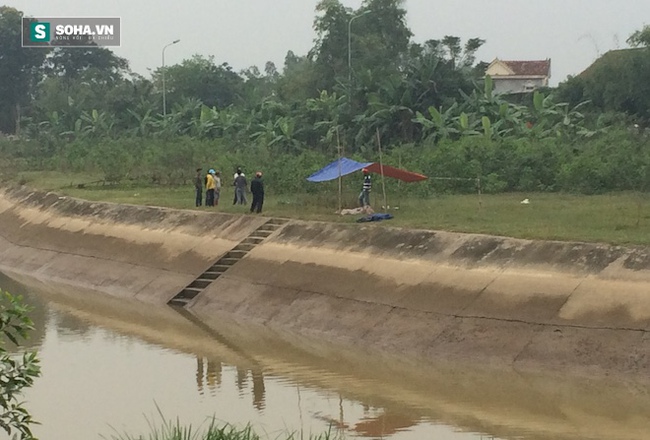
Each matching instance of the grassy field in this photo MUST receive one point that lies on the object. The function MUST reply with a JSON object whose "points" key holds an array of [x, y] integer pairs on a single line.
{"points": [[621, 218]]}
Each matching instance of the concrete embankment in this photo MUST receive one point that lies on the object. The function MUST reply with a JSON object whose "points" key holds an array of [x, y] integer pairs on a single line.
{"points": [[504, 403], [444, 297]]}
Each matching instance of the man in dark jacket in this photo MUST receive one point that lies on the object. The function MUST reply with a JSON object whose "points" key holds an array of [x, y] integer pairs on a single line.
{"points": [[198, 186], [257, 188]]}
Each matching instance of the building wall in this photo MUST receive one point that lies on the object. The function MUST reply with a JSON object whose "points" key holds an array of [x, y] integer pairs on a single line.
{"points": [[497, 69], [517, 85]]}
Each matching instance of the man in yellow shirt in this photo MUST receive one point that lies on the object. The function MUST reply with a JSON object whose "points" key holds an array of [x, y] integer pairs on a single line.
{"points": [[210, 185]]}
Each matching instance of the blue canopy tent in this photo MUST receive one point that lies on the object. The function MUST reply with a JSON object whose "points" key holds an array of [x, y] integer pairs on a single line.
{"points": [[345, 166], [332, 170], [349, 166]]}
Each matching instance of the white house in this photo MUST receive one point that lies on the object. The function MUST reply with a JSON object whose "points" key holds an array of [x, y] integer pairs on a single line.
{"points": [[519, 76]]}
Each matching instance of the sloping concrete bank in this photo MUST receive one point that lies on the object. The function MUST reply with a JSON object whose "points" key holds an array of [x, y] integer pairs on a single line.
{"points": [[124, 250], [440, 296], [449, 297], [505, 403]]}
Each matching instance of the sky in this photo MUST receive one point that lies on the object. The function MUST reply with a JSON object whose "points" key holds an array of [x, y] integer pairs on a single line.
{"points": [[243, 33]]}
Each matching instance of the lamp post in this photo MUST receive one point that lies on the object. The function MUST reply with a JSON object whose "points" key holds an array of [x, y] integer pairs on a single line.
{"points": [[163, 77], [350, 45]]}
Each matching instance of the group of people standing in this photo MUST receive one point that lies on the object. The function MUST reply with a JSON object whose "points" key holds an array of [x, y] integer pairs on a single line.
{"points": [[212, 182]]}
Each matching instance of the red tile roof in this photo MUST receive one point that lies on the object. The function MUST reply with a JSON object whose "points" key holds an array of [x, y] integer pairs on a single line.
{"points": [[530, 68]]}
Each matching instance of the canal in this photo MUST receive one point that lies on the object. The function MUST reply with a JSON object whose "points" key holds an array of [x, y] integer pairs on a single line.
{"points": [[115, 367]]}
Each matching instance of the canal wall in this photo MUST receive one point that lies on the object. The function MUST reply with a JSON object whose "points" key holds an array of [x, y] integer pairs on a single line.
{"points": [[442, 297], [504, 403]]}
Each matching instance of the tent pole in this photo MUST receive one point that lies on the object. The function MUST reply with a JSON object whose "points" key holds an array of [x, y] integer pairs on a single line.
{"points": [[338, 143], [478, 185], [399, 165], [381, 168]]}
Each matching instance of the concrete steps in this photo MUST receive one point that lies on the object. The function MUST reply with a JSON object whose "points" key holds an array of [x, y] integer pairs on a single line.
{"points": [[226, 261]]}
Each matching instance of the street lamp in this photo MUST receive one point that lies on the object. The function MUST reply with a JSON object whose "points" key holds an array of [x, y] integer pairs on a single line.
{"points": [[163, 77], [350, 45]]}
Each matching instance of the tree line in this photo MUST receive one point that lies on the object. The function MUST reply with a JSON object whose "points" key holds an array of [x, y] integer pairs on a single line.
{"points": [[84, 110]]}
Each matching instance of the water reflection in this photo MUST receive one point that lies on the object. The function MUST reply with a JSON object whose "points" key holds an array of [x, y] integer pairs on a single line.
{"points": [[385, 424], [108, 361], [209, 375]]}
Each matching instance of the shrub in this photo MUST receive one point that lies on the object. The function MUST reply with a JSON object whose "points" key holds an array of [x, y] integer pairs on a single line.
{"points": [[17, 372]]}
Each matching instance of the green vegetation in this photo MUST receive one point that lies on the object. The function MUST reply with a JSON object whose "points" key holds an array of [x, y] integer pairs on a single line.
{"points": [[90, 119], [78, 121], [617, 218], [16, 372], [614, 86], [613, 161], [169, 430]]}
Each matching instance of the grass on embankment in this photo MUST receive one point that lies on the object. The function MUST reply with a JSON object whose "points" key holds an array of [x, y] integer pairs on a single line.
{"points": [[621, 218], [170, 430]]}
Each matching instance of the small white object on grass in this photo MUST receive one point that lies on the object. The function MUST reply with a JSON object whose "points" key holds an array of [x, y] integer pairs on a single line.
{"points": [[525, 202]]}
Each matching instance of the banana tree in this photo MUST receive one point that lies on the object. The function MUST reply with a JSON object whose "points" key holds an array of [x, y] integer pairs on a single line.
{"points": [[467, 126], [391, 107], [286, 138], [97, 124], [546, 117], [264, 133], [232, 122], [485, 102], [441, 124], [182, 120], [324, 114], [145, 123], [208, 122], [504, 118]]}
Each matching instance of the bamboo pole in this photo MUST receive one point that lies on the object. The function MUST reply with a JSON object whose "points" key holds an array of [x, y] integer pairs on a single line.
{"points": [[478, 187], [381, 168], [399, 164], [338, 143]]}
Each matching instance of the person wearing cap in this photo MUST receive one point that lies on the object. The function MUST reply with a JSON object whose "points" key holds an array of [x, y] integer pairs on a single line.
{"points": [[364, 196], [257, 189], [198, 186], [210, 185]]}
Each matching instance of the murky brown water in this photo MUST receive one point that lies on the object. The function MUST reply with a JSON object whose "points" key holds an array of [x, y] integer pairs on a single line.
{"points": [[111, 366]]}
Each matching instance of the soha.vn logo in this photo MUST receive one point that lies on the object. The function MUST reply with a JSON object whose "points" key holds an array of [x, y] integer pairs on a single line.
{"points": [[39, 32], [70, 31]]}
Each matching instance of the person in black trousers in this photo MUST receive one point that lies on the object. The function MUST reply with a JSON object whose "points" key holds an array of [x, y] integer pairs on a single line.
{"points": [[198, 186], [257, 188], [364, 196]]}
